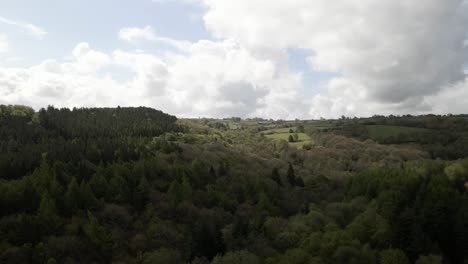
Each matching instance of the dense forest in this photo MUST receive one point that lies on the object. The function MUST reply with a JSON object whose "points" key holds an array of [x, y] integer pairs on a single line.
{"points": [[136, 185]]}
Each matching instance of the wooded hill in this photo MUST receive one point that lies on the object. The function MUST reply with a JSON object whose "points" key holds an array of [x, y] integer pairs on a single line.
{"points": [[135, 185]]}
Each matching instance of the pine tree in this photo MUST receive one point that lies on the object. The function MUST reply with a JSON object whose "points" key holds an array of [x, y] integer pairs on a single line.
{"points": [[88, 200], [118, 189], [275, 176], [142, 192], [299, 181], [73, 196], [175, 193], [291, 175], [99, 185], [31, 198], [98, 235], [186, 189], [212, 173], [47, 214]]}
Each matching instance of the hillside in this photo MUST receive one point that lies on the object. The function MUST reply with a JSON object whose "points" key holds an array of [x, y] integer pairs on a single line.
{"points": [[136, 185]]}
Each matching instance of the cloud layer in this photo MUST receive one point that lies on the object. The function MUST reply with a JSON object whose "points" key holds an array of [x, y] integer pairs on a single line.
{"points": [[391, 54], [391, 57], [209, 79]]}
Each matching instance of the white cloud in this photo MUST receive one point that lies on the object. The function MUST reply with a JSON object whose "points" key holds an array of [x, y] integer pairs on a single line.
{"points": [[392, 56], [391, 53], [135, 34], [3, 43], [232, 82], [453, 99], [30, 28]]}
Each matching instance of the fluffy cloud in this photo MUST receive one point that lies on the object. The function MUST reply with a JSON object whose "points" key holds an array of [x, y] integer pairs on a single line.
{"points": [[392, 57], [208, 79], [3, 43], [135, 34], [391, 54], [30, 28]]}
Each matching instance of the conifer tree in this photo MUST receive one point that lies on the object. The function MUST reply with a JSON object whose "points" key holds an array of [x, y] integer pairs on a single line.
{"points": [[73, 196], [291, 175], [98, 235], [299, 181], [99, 185], [142, 192], [47, 214], [186, 189], [175, 193], [275, 176], [88, 200]]}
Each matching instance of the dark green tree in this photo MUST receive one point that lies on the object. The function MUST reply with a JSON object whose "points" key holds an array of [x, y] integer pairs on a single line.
{"points": [[291, 175], [275, 176]]}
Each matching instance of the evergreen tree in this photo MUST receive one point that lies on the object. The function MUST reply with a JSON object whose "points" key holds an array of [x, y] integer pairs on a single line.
{"points": [[296, 137], [73, 196], [30, 197], [175, 193], [99, 185], [299, 181], [290, 139], [142, 192], [186, 189], [212, 173], [275, 176], [47, 214], [118, 189], [88, 200], [291, 175], [98, 236]]}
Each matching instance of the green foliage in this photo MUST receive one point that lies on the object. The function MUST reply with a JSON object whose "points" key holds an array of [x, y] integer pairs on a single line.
{"points": [[431, 259], [393, 256], [98, 236], [238, 257], [291, 175], [162, 256], [47, 214], [134, 185]]}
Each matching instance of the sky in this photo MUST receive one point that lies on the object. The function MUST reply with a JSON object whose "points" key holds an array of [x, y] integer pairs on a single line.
{"points": [[281, 59]]}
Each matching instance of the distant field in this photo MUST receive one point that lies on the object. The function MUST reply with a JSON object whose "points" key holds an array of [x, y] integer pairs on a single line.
{"points": [[284, 130], [379, 132], [283, 133]]}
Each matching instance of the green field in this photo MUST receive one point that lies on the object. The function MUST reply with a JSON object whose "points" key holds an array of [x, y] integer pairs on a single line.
{"points": [[283, 134], [379, 132], [284, 130]]}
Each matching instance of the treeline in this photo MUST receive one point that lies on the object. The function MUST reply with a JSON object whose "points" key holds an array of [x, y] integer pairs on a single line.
{"points": [[94, 134], [444, 137]]}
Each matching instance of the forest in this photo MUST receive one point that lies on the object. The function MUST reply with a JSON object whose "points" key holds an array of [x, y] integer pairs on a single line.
{"points": [[136, 185]]}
